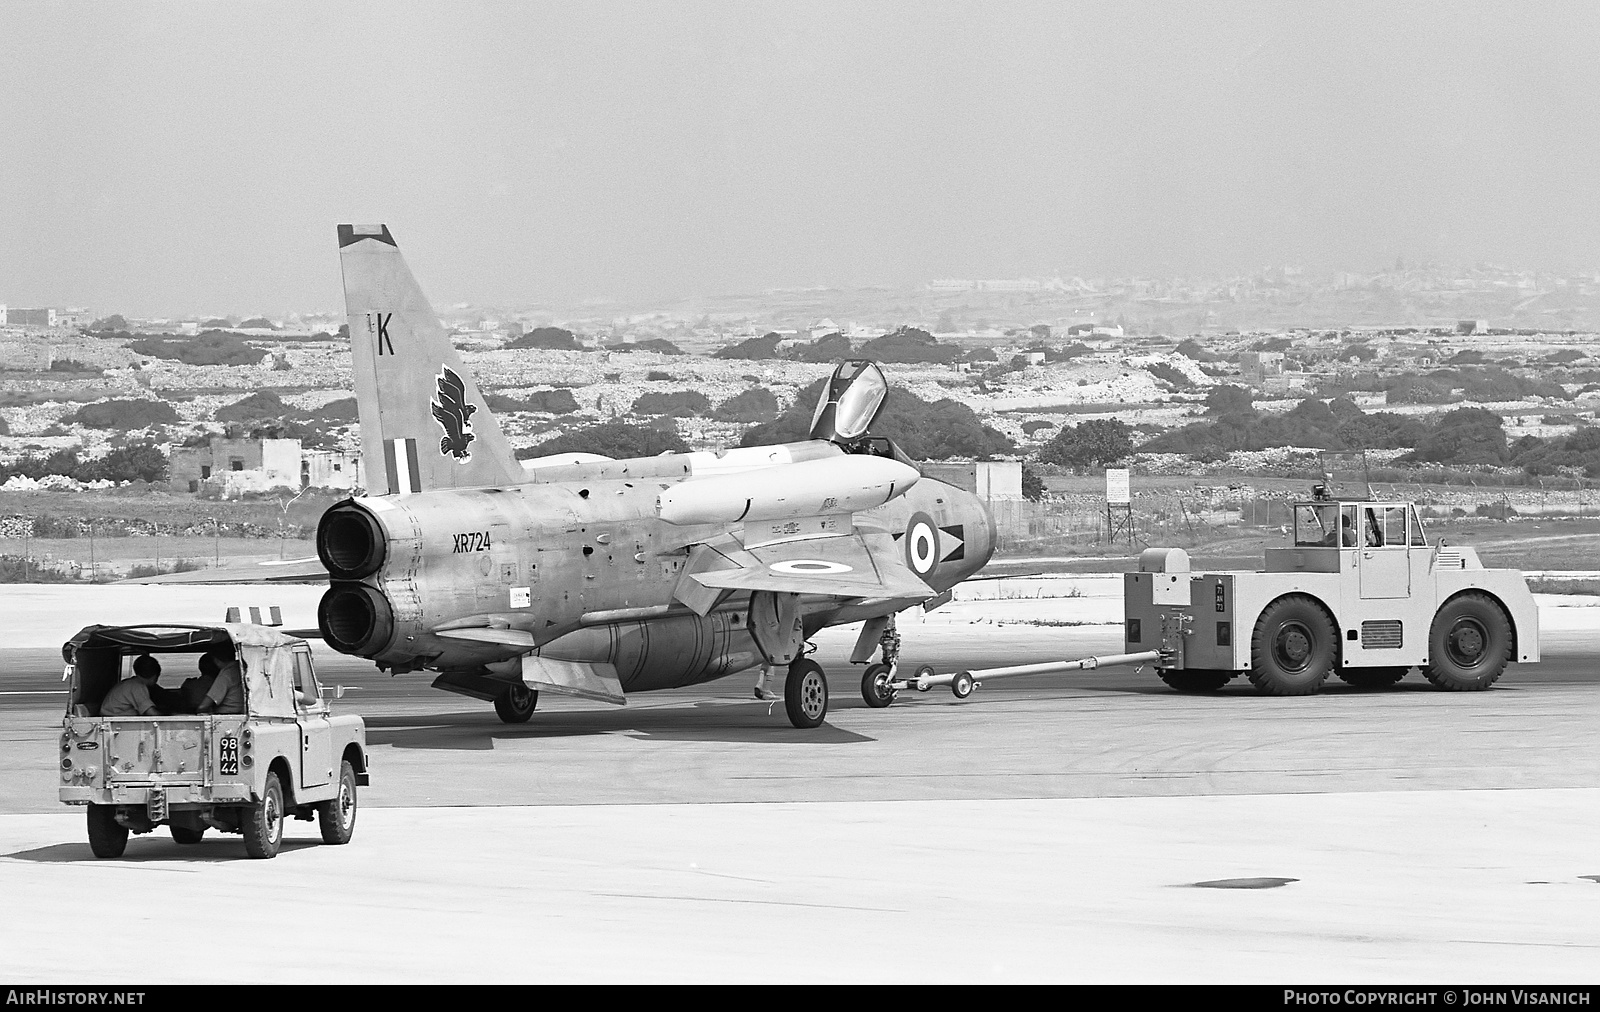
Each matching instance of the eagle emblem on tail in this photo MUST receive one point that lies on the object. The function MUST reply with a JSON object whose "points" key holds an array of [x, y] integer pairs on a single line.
{"points": [[454, 415]]}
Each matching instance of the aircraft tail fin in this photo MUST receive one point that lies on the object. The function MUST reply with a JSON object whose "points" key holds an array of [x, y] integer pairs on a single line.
{"points": [[424, 423]]}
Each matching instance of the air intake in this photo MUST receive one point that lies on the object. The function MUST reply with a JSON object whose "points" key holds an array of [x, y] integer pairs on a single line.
{"points": [[350, 542], [355, 619]]}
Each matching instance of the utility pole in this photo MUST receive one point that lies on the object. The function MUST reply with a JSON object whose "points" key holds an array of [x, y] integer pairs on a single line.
{"points": [[216, 544]]}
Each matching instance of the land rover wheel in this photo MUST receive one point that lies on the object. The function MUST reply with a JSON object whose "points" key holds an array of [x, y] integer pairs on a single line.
{"points": [[875, 688], [1469, 645], [107, 836], [516, 704], [805, 694], [1196, 679], [263, 821], [336, 817], [1291, 648]]}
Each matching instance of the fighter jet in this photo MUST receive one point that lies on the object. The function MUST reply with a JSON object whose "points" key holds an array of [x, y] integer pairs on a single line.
{"points": [[597, 577]]}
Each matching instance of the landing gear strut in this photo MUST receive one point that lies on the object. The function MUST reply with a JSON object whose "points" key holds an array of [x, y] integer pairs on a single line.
{"points": [[877, 682]]}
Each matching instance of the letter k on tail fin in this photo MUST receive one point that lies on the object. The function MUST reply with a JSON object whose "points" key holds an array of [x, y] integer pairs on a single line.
{"points": [[424, 424]]}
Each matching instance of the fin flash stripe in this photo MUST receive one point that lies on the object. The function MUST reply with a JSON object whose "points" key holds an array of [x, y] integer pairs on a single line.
{"points": [[400, 465]]}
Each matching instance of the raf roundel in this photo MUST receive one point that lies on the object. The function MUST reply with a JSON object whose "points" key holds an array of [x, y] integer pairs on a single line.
{"points": [[922, 544], [809, 567]]}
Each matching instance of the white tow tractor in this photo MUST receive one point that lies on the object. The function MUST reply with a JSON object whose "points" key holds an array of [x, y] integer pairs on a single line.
{"points": [[1358, 592]]}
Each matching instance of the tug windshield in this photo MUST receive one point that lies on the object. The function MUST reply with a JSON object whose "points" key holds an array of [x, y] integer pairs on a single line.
{"points": [[1326, 525]]}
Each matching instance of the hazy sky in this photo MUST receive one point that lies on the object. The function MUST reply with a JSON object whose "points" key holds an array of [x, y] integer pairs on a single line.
{"points": [[169, 158]]}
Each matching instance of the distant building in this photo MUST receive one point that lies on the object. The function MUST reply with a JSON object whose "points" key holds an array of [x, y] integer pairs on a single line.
{"points": [[1095, 330], [987, 479], [330, 469], [1283, 384], [256, 465], [14, 317], [1255, 367], [1465, 327]]}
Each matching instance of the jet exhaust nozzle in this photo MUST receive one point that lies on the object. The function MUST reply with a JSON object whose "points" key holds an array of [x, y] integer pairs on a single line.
{"points": [[355, 619], [351, 542]]}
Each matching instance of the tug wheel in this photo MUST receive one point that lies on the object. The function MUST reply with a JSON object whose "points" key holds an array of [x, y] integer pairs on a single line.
{"points": [[1292, 647], [1469, 644]]}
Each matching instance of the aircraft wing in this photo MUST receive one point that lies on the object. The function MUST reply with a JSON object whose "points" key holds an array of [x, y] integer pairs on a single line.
{"points": [[286, 571], [855, 565]]}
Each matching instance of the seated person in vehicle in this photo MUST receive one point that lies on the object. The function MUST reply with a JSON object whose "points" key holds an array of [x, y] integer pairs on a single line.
{"points": [[226, 691], [131, 697]]}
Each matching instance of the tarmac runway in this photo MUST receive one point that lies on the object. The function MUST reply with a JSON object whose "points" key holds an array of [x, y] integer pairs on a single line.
{"points": [[1074, 828]]}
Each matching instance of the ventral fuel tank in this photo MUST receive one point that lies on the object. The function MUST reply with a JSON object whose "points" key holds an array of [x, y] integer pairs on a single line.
{"points": [[809, 488]]}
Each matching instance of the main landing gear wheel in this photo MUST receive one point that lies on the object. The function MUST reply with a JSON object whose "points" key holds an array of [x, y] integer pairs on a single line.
{"points": [[107, 836], [805, 694], [1292, 647], [875, 687], [1196, 679], [516, 704], [1469, 644], [1373, 678]]}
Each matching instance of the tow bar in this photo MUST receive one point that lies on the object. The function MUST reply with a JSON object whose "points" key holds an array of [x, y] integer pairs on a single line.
{"points": [[963, 682]]}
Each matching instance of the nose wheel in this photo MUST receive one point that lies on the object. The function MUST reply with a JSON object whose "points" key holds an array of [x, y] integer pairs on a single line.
{"points": [[877, 687]]}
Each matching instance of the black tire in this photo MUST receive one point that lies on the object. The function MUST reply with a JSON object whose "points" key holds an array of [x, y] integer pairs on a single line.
{"points": [[962, 685], [805, 694], [1292, 647], [516, 704], [186, 836], [926, 671], [336, 817], [263, 821], [875, 688], [1196, 679], [1469, 645], [1373, 678], [107, 836]]}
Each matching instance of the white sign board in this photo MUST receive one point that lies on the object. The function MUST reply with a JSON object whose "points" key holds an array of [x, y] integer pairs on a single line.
{"points": [[1117, 487]]}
